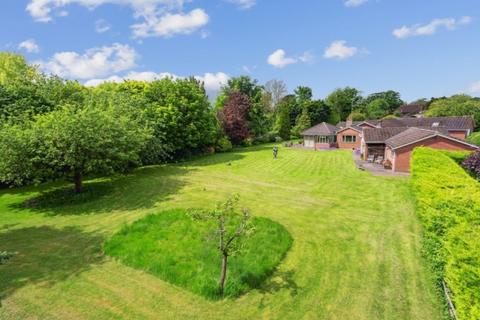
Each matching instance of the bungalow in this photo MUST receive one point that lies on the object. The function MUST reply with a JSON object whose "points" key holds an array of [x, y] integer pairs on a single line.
{"points": [[321, 136], [325, 136], [399, 147], [393, 140]]}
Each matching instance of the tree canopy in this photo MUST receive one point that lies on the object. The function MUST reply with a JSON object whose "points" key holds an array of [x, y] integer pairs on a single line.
{"points": [[70, 142], [343, 102], [457, 105]]}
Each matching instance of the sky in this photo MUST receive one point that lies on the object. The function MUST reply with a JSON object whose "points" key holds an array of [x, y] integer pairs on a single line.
{"points": [[421, 48]]}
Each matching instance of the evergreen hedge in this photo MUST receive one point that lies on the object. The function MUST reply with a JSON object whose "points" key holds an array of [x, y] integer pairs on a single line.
{"points": [[448, 204]]}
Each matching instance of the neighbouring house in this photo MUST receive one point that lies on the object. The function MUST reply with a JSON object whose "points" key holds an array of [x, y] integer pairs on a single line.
{"points": [[458, 127], [399, 147], [321, 136], [412, 110]]}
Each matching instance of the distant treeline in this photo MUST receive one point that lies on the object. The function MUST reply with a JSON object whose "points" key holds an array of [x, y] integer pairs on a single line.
{"points": [[52, 127]]}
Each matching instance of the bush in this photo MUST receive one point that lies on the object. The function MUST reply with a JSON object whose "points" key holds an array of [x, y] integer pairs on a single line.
{"points": [[448, 204], [223, 145], [457, 156], [474, 138], [247, 142], [472, 164], [267, 138]]}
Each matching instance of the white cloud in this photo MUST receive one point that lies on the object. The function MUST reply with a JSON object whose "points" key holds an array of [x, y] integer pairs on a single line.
{"points": [[249, 69], [430, 28], [133, 75], [102, 26], [213, 82], [278, 59], [29, 45], [41, 10], [244, 4], [474, 88], [306, 57], [157, 17], [339, 50], [354, 3], [95, 62], [170, 24]]}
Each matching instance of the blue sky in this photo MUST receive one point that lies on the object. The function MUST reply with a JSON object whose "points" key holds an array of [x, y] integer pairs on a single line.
{"points": [[420, 48]]}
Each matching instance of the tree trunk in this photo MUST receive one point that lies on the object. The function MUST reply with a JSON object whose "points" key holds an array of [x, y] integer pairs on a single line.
{"points": [[223, 274], [78, 181]]}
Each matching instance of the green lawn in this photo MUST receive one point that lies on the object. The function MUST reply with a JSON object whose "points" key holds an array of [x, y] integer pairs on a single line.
{"points": [[355, 253], [184, 251]]}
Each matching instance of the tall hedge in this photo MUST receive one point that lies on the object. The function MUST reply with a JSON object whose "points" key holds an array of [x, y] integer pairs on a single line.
{"points": [[448, 204]]}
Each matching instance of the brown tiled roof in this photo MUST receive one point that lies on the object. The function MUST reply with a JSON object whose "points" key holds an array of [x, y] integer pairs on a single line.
{"points": [[409, 136], [321, 129], [412, 135], [412, 108], [353, 127], [449, 123], [379, 135], [343, 124]]}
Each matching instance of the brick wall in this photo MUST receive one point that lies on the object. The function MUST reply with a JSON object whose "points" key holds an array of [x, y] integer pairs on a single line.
{"points": [[458, 134], [346, 145], [402, 158]]}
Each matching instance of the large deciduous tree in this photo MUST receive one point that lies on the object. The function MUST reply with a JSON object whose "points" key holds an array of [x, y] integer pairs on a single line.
{"points": [[344, 101], [377, 109], [303, 123], [24, 92], [391, 101], [319, 111], [283, 122], [277, 89], [257, 116], [70, 142], [457, 105], [233, 117], [178, 111]]}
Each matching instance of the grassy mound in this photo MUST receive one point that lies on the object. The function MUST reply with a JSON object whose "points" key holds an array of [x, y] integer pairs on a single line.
{"points": [[184, 252]]}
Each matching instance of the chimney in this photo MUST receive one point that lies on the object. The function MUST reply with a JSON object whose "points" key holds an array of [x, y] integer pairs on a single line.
{"points": [[349, 122]]}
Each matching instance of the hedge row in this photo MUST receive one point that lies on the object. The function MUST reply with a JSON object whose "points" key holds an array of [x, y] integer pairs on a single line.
{"points": [[448, 204]]}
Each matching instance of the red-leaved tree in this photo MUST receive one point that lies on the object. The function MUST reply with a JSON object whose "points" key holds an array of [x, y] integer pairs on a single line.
{"points": [[234, 117]]}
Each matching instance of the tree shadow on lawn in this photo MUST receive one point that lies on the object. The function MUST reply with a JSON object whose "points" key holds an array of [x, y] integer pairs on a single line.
{"points": [[281, 280], [141, 189], [45, 256], [214, 159]]}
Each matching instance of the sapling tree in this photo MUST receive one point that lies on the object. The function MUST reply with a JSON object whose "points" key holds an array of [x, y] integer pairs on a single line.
{"points": [[233, 227]]}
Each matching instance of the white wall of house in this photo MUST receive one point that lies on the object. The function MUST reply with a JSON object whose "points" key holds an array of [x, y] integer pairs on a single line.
{"points": [[390, 155], [309, 141]]}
